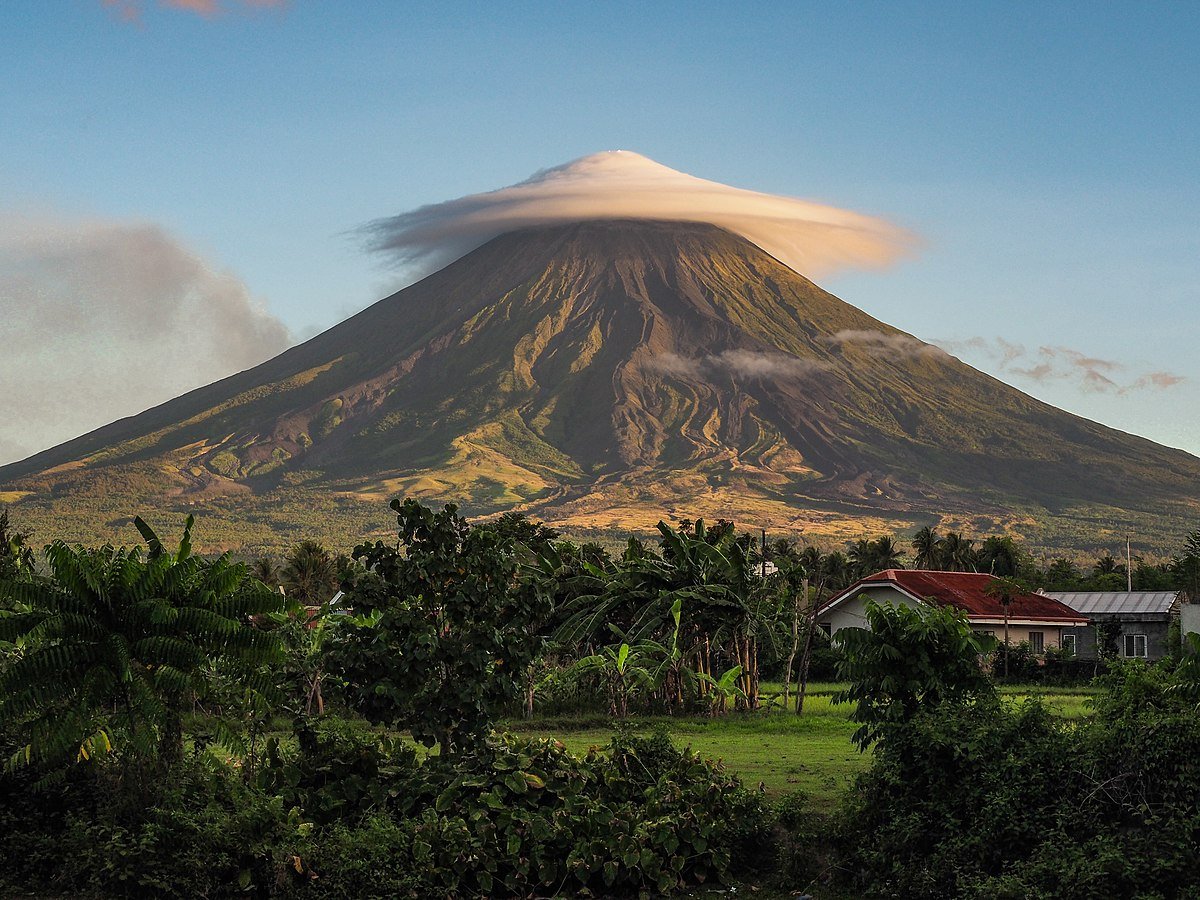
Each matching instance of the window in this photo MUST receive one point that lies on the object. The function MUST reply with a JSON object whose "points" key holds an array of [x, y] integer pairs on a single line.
{"points": [[1037, 641], [1068, 644], [1134, 645]]}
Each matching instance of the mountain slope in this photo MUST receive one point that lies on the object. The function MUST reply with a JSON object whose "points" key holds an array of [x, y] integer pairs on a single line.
{"points": [[602, 375]]}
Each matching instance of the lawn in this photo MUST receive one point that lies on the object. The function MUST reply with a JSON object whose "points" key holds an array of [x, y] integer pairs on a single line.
{"points": [[777, 750]]}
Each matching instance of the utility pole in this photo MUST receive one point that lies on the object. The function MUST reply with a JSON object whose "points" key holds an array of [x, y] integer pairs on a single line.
{"points": [[1128, 566]]}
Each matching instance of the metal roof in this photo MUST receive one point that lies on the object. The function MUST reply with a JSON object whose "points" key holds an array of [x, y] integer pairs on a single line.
{"points": [[1116, 602]]}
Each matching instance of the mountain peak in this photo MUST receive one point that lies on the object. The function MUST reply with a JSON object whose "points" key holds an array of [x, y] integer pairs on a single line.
{"points": [[603, 374], [811, 238]]}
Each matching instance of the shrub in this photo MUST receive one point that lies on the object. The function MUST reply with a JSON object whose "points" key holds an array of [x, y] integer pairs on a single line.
{"points": [[992, 802]]}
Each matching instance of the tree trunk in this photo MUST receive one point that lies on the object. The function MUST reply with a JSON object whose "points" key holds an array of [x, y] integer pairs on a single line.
{"points": [[529, 693], [810, 625], [787, 673]]}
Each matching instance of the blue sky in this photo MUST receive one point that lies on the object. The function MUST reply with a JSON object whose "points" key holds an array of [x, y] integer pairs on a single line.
{"points": [[1045, 153]]}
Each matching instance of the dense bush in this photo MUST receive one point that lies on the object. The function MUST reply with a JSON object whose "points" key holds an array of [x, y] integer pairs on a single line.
{"points": [[344, 811], [994, 802], [200, 833]]}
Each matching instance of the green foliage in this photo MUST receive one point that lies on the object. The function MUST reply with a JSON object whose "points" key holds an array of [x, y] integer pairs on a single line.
{"points": [[443, 632], [113, 645], [310, 574], [643, 817], [729, 614], [971, 801], [200, 833], [339, 771], [908, 658], [16, 556], [1186, 565]]}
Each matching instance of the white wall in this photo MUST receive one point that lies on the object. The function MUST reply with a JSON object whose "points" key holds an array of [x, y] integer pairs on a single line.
{"points": [[852, 613]]}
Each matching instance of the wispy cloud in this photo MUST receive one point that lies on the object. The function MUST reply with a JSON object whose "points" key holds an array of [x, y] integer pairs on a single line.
{"points": [[104, 319], [131, 10], [765, 366], [812, 238], [896, 346], [1047, 363]]}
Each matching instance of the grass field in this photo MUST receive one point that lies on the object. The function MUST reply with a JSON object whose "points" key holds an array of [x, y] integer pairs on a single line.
{"points": [[779, 750]]}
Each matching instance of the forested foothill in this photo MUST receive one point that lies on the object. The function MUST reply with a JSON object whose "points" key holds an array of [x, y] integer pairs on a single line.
{"points": [[387, 723]]}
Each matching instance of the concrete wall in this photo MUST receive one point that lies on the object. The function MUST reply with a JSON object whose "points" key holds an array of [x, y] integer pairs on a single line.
{"points": [[1019, 634], [1154, 627], [852, 613], [1189, 620]]}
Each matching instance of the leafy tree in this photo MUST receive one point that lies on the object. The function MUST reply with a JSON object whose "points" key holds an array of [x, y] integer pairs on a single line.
{"points": [[16, 556], [114, 646], [908, 658], [868, 557], [1185, 566], [729, 610], [443, 631], [836, 569], [1063, 575], [522, 530]]}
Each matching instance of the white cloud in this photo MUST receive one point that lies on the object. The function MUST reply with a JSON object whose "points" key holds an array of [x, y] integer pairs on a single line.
{"points": [[812, 238], [1090, 374], [104, 319], [746, 363], [896, 346]]}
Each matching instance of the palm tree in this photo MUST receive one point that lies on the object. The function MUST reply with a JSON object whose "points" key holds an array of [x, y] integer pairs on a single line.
{"points": [[836, 569], [116, 645], [310, 574], [266, 570], [928, 548], [958, 553], [1005, 590], [1000, 556], [861, 558], [885, 554]]}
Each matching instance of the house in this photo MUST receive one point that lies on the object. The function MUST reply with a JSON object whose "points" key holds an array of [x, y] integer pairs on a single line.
{"points": [[1037, 619], [1133, 623]]}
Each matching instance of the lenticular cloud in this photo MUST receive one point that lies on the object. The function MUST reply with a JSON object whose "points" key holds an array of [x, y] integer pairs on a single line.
{"points": [[811, 238]]}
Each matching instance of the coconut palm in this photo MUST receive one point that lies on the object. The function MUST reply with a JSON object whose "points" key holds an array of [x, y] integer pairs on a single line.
{"points": [[885, 554], [1000, 556], [927, 546], [310, 574], [268, 571], [958, 553]]}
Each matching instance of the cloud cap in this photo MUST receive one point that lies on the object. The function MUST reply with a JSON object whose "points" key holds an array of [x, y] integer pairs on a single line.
{"points": [[812, 238]]}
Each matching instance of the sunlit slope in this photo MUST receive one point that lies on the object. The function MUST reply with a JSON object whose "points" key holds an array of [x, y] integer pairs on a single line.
{"points": [[604, 374]]}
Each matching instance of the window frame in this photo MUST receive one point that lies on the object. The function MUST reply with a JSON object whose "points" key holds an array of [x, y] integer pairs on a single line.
{"points": [[1132, 638], [1040, 646], [1073, 649]]}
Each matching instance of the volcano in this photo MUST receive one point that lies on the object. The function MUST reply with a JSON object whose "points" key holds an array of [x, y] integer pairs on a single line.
{"points": [[601, 375]]}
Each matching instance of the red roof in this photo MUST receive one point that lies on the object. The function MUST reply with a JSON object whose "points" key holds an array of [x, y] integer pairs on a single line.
{"points": [[967, 591]]}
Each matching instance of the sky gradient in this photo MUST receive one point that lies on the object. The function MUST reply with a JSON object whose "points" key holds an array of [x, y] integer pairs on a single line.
{"points": [[1044, 156]]}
